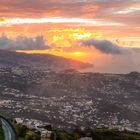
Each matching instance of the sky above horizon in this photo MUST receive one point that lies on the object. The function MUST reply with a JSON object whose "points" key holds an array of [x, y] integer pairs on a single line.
{"points": [[103, 32]]}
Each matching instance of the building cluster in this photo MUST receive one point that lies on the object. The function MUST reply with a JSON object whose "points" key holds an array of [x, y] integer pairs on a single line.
{"points": [[69, 99]]}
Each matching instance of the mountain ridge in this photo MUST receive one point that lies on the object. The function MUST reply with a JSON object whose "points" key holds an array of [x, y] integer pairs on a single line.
{"points": [[43, 61]]}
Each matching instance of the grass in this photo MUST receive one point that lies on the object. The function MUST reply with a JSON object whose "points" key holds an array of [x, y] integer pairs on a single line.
{"points": [[1, 133]]}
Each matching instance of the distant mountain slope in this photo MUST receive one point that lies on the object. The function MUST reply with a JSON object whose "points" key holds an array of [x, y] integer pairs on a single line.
{"points": [[47, 61]]}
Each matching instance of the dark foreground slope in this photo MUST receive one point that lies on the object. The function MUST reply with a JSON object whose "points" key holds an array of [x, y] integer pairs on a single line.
{"points": [[24, 133], [1, 133]]}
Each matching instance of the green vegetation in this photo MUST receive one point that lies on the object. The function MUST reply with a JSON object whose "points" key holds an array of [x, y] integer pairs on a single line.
{"points": [[96, 134], [113, 134], [24, 133], [1, 133]]}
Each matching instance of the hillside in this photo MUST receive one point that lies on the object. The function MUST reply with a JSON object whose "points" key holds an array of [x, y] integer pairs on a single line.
{"points": [[70, 98], [39, 61]]}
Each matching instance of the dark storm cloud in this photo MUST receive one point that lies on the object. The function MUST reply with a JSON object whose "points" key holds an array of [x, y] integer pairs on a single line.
{"points": [[105, 46], [22, 43]]}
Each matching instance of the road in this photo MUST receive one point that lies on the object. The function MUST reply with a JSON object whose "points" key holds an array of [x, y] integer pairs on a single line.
{"points": [[9, 132]]}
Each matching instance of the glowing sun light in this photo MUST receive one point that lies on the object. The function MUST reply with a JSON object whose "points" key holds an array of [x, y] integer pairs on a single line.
{"points": [[77, 53], [82, 35]]}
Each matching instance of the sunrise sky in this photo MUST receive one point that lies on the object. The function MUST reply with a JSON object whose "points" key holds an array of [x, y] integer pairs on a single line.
{"points": [[105, 33]]}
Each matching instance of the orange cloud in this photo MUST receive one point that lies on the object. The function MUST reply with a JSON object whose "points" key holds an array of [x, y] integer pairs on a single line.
{"points": [[55, 33], [3, 19], [90, 8]]}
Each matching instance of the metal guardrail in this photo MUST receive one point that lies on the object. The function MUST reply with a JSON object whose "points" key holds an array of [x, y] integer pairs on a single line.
{"points": [[9, 131]]}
